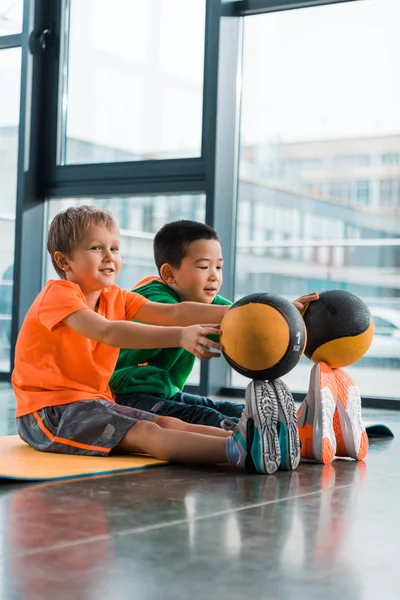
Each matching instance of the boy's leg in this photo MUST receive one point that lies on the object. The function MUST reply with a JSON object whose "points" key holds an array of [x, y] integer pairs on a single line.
{"points": [[288, 435], [228, 409], [173, 444], [257, 431], [178, 424], [175, 407], [283, 437], [99, 427], [254, 445]]}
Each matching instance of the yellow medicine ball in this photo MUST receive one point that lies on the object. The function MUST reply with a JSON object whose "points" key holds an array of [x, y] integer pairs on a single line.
{"points": [[263, 336]]}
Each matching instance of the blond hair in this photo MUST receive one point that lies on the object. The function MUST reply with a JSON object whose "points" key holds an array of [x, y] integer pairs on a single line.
{"points": [[69, 226]]}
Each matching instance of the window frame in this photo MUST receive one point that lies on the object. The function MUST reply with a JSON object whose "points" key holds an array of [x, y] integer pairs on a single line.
{"points": [[214, 173], [8, 42]]}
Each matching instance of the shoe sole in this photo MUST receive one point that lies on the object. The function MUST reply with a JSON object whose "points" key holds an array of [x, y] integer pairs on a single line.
{"points": [[264, 413], [352, 439], [318, 441], [288, 436]]}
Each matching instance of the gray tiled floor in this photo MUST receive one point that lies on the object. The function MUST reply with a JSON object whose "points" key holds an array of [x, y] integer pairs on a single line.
{"points": [[186, 533]]}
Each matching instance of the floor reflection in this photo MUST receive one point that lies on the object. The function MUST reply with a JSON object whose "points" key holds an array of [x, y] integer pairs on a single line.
{"points": [[194, 532], [41, 516]]}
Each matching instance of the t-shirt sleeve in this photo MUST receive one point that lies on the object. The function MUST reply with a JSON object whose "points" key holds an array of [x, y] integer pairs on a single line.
{"points": [[221, 301], [60, 300], [158, 292], [133, 302]]}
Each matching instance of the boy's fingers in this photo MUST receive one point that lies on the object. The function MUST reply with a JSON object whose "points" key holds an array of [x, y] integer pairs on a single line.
{"points": [[205, 347], [207, 342], [298, 305], [307, 298], [302, 302], [213, 355], [210, 329], [205, 354]]}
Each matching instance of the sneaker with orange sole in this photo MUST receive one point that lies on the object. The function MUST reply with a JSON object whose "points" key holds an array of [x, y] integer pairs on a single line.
{"points": [[315, 416], [351, 437]]}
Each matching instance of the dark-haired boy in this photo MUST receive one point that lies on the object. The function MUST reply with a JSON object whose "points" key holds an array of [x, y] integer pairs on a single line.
{"points": [[189, 260], [188, 257]]}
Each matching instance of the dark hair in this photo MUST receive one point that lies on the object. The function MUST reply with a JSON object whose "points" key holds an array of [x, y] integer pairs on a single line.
{"points": [[171, 241], [68, 227]]}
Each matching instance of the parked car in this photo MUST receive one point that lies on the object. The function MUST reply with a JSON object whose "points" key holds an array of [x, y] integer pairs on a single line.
{"points": [[385, 347]]}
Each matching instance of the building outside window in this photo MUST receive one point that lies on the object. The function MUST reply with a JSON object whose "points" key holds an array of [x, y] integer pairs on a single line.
{"points": [[334, 203]]}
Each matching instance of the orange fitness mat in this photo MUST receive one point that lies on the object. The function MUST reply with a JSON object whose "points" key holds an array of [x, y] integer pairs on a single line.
{"points": [[20, 462]]}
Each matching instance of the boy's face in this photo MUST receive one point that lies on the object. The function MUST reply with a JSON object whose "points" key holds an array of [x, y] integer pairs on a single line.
{"points": [[96, 261], [199, 277]]}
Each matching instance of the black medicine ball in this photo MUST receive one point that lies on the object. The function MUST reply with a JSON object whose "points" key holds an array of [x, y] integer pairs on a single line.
{"points": [[339, 327]]}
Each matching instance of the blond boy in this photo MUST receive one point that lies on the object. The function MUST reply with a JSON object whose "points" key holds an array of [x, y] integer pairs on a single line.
{"points": [[68, 347]]}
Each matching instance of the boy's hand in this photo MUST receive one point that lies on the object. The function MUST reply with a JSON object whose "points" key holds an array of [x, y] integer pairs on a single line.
{"points": [[194, 339], [302, 302]]}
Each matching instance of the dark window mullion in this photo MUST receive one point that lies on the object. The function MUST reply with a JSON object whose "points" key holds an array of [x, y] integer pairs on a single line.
{"points": [[246, 8], [221, 152], [74, 189], [127, 178]]}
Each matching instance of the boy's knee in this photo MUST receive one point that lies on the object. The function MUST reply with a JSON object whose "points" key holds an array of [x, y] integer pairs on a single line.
{"points": [[169, 422], [134, 437], [145, 427], [140, 429]]}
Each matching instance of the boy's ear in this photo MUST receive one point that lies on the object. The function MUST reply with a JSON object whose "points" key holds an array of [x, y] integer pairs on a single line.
{"points": [[167, 273], [62, 261]]}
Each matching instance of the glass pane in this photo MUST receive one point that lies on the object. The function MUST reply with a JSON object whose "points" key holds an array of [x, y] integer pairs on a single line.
{"points": [[135, 81], [10, 72], [10, 16], [319, 190], [139, 219]]}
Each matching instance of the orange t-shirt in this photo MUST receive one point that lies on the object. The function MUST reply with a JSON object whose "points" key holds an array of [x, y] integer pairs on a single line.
{"points": [[54, 364]]}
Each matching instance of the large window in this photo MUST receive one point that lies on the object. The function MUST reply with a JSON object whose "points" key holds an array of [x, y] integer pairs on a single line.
{"points": [[10, 17], [319, 204], [10, 72], [132, 80], [139, 219]]}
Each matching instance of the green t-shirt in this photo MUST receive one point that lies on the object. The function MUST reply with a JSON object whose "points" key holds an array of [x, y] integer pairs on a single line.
{"points": [[163, 371]]}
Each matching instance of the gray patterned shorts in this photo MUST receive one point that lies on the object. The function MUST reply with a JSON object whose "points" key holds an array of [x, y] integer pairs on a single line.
{"points": [[91, 427]]}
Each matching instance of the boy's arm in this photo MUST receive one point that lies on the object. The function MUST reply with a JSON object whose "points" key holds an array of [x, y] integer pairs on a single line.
{"points": [[301, 303], [124, 334], [190, 313], [182, 314]]}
